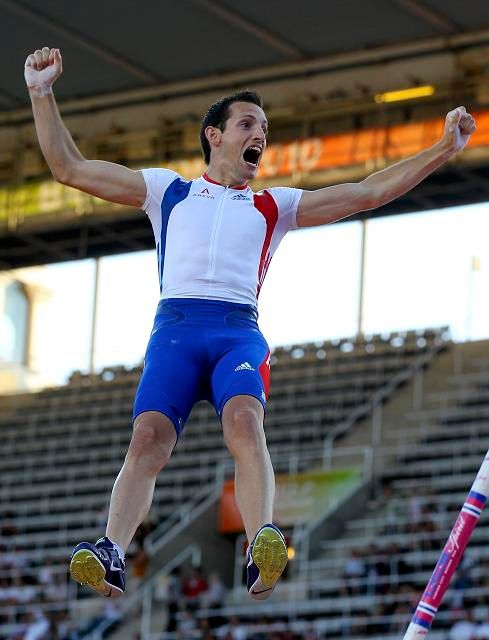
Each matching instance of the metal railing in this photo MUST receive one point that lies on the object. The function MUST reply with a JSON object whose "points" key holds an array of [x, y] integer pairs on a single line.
{"points": [[374, 404], [187, 513], [143, 597]]}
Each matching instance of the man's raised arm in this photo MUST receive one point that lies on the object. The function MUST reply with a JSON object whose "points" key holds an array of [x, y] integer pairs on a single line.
{"points": [[334, 203], [105, 180]]}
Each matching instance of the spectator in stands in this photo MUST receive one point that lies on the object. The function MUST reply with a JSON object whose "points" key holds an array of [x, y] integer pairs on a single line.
{"points": [[353, 573], [57, 590], [286, 634], [378, 623], [311, 634], [38, 626], [401, 612], [54, 631], [427, 527], [22, 592], [102, 515], [234, 372], [388, 610], [3, 556], [382, 571], [6, 599], [482, 630], [462, 581], [233, 630], [67, 628], [112, 615], [174, 598], [47, 574], [8, 528], [214, 596], [140, 565], [372, 559], [464, 628], [143, 531], [205, 630], [357, 625], [187, 625], [398, 567], [193, 586], [16, 559], [109, 614], [415, 505], [393, 511]]}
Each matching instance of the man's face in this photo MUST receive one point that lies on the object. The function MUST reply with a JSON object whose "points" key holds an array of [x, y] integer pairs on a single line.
{"points": [[242, 143]]}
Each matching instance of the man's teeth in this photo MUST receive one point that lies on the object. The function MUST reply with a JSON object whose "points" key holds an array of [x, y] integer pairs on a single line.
{"points": [[256, 150]]}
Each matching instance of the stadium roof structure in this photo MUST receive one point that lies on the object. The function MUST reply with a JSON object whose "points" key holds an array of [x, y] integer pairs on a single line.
{"points": [[116, 46], [125, 54]]}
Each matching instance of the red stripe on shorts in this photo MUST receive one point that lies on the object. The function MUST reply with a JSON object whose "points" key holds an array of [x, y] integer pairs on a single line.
{"points": [[264, 371]]}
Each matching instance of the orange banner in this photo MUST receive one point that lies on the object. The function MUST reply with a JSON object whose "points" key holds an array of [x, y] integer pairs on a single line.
{"points": [[358, 147], [280, 160], [229, 518], [299, 497]]}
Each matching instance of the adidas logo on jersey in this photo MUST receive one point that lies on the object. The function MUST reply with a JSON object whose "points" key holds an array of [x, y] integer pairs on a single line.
{"points": [[246, 366], [240, 196]]}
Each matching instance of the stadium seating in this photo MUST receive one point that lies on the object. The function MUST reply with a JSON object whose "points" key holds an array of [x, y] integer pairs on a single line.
{"points": [[397, 542], [62, 447]]}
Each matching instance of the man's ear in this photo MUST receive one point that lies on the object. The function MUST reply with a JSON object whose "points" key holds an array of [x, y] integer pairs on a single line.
{"points": [[214, 136]]}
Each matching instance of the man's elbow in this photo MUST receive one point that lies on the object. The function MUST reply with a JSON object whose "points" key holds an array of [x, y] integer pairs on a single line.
{"points": [[370, 199], [60, 176], [373, 197], [64, 174]]}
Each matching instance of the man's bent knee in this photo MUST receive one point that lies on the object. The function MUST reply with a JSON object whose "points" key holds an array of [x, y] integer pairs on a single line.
{"points": [[242, 421], [152, 441]]}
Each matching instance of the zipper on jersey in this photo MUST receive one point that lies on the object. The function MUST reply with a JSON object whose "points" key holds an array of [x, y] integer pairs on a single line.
{"points": [[217, 224]]}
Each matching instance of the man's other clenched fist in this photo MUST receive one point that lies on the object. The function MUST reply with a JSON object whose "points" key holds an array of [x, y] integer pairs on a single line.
{"points": [[42, 68]]}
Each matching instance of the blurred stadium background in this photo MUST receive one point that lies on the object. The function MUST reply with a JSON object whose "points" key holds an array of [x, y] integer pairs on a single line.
{"points": [[379, 413]]}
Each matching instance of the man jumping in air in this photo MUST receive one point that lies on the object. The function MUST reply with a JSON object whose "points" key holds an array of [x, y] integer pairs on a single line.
{"points": [[214, 238]]}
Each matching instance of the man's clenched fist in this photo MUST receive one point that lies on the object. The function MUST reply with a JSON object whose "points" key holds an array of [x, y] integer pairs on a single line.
{"points": [[459, 126], [42, 68]]}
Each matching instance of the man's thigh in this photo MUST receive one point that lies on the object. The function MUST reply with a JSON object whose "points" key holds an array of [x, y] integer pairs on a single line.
{"points": [[243, 370], [173, 373]]}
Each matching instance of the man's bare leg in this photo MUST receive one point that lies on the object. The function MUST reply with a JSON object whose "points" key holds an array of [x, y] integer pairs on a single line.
{"points": [[242, 421], [150, 449], [101, 566]]}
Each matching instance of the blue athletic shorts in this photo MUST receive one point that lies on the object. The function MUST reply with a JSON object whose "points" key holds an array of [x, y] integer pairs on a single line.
{"points": [[202, 350]]}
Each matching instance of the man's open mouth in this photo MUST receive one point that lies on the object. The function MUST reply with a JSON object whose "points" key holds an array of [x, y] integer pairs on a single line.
{"points": [[252, 155]]}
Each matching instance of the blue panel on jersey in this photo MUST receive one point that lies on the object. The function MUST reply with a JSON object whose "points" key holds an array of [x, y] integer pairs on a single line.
{"points": [[175, 193]]}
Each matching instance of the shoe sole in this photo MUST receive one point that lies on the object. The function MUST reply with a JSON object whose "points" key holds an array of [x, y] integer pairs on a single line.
{"points": [[270, 556], [86, 569]]}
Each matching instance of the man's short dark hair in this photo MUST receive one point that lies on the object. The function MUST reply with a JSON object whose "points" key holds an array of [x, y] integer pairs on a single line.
{"points": [[218, 114]]}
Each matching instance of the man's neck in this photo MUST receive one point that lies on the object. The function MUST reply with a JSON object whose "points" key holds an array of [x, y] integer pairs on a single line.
{"points": [[223, 177]]}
